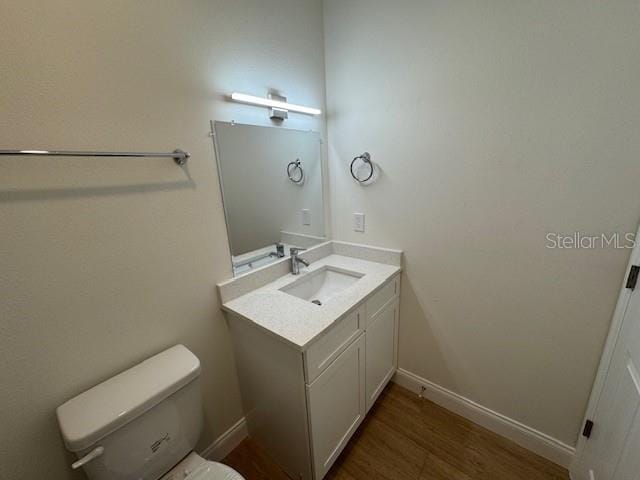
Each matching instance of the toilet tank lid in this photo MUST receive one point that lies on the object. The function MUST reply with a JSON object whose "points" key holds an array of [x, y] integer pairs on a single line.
{"points": [[92, 415]]}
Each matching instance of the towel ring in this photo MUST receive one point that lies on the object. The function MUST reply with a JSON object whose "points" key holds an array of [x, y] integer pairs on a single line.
{"points": [[366, 158], [291, 168]]}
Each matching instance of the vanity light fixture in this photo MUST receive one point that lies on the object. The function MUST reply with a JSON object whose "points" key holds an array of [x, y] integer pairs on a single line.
{"points": [[273, 103]]}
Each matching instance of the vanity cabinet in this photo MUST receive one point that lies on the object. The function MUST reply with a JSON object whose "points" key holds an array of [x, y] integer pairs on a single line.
{"points": [[303, 407]]}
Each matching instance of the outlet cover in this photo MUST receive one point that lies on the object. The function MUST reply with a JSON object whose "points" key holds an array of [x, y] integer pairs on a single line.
{"points": [[358, 222], [306, 216]]}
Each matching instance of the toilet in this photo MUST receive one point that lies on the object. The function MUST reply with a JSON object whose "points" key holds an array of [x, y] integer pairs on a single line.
{"points": [[142, 424]]}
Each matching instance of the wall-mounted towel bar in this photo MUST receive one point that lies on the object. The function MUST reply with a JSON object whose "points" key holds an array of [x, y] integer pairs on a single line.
{"points": [[179, 156]]}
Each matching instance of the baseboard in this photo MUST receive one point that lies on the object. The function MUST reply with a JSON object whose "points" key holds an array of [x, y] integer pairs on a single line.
{"points": [[225, 443], [527, 437]]}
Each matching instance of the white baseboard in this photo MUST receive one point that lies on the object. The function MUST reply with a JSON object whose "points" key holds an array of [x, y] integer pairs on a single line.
{"points": [[225, 443], [527, 437]]}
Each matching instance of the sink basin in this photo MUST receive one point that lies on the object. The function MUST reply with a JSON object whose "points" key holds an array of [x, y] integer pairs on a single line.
{"points": [[319, 286]]}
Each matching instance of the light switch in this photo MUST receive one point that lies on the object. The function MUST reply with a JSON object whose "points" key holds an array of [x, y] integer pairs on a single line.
{"points": [[358, 222], [306, 216]]}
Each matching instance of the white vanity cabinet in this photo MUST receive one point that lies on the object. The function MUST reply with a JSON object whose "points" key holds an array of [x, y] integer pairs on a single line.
{"points": [[303, 407]]}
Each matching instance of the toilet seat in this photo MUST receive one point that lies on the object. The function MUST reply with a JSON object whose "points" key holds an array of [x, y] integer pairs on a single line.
{"points": [[214, 471]]}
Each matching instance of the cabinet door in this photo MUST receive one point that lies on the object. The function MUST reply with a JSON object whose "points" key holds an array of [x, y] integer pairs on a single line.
{"points": [[381, 350], [336, 402]]}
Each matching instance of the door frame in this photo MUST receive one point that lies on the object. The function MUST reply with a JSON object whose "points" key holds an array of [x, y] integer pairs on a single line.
{"points": [[607, 353]]}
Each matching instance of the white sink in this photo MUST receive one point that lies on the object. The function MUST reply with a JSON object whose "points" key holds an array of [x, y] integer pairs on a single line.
{"points": [[322, 284]]}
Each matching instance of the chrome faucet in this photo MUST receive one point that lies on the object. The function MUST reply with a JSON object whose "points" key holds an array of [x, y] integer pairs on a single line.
{"points": [[296, 261]]}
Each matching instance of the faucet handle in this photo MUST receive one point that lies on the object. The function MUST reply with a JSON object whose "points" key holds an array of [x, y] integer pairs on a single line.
{"points": [[295, 250]]}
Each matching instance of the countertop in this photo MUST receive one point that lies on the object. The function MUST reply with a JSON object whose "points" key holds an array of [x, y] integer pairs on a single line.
{"points": [[299, 322]]}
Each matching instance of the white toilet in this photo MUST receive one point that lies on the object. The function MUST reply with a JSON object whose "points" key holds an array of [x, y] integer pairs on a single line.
{"points": [[142, 424]]}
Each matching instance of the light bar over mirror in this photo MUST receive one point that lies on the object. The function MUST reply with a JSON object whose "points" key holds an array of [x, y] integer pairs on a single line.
{"points": [[271, 103]]}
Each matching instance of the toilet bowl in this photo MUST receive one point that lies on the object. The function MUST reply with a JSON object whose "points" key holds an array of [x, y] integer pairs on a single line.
{"points": [[142, 424], [194, 467], [214, 471]]}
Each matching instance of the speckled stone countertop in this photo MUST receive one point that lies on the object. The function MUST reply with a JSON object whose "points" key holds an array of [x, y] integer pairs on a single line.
{"points": [[299, 322]]}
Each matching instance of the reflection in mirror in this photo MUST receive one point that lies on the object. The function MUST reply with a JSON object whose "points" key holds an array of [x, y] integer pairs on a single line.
{"points": [[271, 180]]}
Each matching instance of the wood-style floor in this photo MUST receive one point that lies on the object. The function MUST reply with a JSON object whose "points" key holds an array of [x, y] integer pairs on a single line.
{"points": [[405, 437]]}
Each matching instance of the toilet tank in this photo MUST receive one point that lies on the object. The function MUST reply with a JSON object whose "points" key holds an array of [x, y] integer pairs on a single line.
{"points": [[146, 419]]}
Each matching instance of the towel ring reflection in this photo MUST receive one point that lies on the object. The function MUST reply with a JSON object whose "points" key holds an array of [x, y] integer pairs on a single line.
{"points": [[291, 169], [366, 158]]}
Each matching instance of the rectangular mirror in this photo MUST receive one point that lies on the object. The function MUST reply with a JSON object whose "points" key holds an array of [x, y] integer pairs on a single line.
{"points": [[271, 181]]}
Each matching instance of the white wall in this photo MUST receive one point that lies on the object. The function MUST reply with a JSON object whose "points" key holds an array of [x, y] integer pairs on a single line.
{"points": [[105, 262], [493, 123]]}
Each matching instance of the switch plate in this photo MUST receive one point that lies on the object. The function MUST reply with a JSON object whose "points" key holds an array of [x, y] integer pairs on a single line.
{"points": [[306, 216], [358, 222]]}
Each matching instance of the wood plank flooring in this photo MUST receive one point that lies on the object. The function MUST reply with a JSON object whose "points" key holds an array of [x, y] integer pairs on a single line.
{"points": [[405, 437]]}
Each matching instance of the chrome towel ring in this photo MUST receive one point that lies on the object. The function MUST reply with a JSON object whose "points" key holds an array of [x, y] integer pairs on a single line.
{"points": [[291, 172], [366, 158]]}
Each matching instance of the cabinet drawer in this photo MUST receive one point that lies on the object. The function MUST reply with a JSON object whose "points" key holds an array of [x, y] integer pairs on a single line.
{"points": [[326, 349], [383, 296]]}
